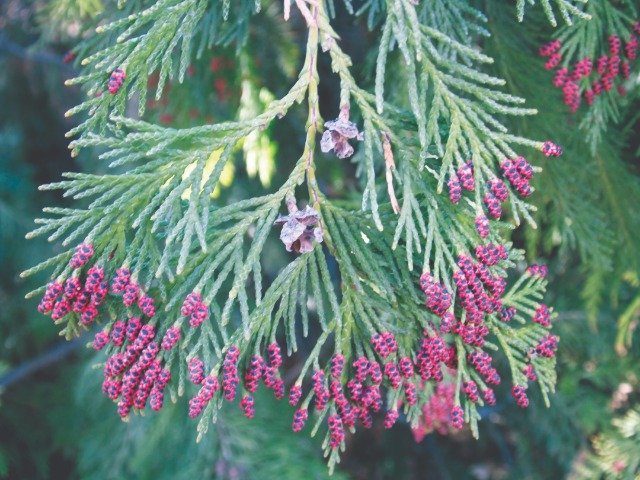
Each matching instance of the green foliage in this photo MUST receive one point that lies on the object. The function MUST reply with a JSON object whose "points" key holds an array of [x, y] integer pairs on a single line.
{"points": [[617, 454], [162, 446], [589, 39], [146, 39], [581, 206], [178, 204], [155, 214], [567, 8]]}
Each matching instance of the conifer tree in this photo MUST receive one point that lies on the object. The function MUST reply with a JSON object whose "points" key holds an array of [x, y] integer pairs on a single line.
{"points": [[617, 454], [405, 277]]}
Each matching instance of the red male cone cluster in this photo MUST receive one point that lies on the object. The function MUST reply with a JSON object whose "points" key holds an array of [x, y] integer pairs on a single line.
{"points": [[135, 376], [194, 308], [583, 81], [116, 80]]}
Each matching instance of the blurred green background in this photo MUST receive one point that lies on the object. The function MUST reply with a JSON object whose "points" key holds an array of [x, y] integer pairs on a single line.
{"points": [[54, 423]]}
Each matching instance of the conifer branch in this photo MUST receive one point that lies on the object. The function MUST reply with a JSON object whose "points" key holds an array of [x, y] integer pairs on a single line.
{"points": [[568, 10], [152, 233], [615, 453]]}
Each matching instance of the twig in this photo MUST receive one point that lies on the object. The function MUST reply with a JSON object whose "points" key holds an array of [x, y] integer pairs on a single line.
{"points": [[301, 4], [56, 354], [391, 165]]}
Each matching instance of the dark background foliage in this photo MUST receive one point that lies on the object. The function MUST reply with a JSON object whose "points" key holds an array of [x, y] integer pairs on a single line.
{"points": [[54, 423]]}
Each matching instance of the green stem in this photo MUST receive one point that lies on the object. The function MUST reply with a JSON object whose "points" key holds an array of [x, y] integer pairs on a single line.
{"points": [[314, 114]]}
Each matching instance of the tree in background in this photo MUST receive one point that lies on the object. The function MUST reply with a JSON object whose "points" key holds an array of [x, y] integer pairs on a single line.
{"points": [[179, 254]]}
